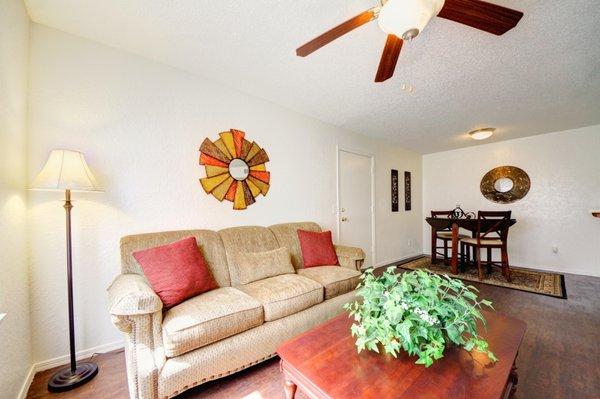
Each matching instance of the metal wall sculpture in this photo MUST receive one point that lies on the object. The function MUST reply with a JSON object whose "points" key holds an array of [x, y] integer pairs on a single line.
{"points": [[394, 190], [235, 169], [505, 184], [407, 192]]}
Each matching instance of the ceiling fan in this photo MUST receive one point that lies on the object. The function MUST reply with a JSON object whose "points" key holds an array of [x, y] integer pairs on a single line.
{"points": [[405, 19]]}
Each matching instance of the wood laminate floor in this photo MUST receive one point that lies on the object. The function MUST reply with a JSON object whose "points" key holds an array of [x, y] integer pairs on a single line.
{"points": [[559, 358]]}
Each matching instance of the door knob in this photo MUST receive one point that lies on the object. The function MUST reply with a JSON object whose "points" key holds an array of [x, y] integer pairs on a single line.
{"points": [[344, 219]]}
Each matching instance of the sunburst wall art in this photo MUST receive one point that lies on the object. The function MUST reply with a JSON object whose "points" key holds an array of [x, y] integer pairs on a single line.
{"points": [[235, 169]]}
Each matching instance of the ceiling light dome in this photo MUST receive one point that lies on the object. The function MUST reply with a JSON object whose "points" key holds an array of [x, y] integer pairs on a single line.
{"points": [[482, 134], [407, 18]]}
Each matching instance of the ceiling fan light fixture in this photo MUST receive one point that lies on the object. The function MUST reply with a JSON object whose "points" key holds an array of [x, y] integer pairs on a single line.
{"points": [[407, 18], [482, 134]]}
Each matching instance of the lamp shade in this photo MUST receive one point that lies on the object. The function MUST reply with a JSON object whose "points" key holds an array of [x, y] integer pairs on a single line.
{"points": [[65, 170]]}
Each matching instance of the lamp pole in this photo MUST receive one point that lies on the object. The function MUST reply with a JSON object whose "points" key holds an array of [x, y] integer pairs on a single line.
{"points": [[68, 206], [77, 374]]}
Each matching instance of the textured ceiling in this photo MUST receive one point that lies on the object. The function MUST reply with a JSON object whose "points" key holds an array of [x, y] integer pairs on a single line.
{"points": [[542, 76]]}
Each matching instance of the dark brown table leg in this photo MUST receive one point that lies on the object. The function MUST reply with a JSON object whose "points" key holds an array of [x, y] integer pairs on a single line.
{"points": [[511, 384], [454, 262], [433, 244], [288, 385], [290, 389], [515, 380]]}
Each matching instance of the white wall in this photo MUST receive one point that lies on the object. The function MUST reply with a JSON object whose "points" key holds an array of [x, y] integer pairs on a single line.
{"points": [[15, 353], [564, 169], [140, 124]]}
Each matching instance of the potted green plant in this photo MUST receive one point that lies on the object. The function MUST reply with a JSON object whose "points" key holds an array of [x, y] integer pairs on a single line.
{"points": [[419, 312]]}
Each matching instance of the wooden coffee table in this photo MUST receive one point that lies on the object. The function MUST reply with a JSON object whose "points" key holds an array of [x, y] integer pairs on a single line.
{"points": [[324, 363]]}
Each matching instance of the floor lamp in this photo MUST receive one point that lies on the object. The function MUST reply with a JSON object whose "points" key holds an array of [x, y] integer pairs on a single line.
{"points": [[66, 170]]}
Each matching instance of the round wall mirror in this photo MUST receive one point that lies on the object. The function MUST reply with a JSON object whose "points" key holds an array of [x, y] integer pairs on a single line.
{"points": [[504, 185], [238, 169]]}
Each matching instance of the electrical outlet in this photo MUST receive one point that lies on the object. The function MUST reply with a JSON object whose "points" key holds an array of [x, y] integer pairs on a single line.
{"points": [[409, 242], [555, 249]]}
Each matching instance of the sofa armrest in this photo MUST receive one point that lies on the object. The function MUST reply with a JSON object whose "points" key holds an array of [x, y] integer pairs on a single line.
{"points": [[130, 294], [350, 257], [136, 310], [144, 352]]}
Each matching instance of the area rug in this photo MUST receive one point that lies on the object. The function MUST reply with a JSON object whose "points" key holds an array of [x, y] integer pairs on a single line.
{"points": [[539, 282]]}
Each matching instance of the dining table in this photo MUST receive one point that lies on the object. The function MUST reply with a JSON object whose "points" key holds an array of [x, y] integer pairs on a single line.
{"points": [[454, 224]]}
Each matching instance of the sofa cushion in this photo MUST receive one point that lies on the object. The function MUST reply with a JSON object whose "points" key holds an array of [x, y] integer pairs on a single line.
{"points": [[208, 318], [176, 271], [254, 266], [287, 236], [284, 295], [336, 280], [245, 239], [317, 248]]}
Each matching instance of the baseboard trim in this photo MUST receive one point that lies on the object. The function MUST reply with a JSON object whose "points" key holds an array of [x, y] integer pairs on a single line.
{"points": [[63, 360], [27, 383], [399, 260], [80, 355]]}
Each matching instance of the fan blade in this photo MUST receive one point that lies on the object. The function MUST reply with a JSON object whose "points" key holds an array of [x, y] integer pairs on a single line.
{"points": [[481, 15], [338, 31], [390, 55]]}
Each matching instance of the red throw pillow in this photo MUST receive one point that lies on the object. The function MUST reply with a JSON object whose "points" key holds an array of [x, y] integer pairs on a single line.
{"points": [[317, 248], [176, 271]]}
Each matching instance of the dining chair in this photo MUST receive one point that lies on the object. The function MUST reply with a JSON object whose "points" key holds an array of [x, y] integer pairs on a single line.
{"points": [[444, 235], [492, 233]]}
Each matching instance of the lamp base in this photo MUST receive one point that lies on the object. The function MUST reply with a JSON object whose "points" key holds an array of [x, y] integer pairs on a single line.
{"points": [[65, 380]]}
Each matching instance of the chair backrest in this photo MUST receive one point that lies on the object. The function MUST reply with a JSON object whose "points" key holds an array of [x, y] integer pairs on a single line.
{"points": [[493, 222], [442, 214]]}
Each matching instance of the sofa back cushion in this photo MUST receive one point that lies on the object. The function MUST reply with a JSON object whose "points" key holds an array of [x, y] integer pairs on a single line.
{"points": [[287, 236], [209, 242], [254, 266], [243, 240]]}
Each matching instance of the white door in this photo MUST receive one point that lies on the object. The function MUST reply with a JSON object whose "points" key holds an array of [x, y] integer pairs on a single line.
{"points": [[355, 202]]}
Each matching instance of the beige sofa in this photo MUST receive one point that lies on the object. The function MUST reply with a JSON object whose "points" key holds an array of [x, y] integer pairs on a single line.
{"points": [[232, 327]]}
